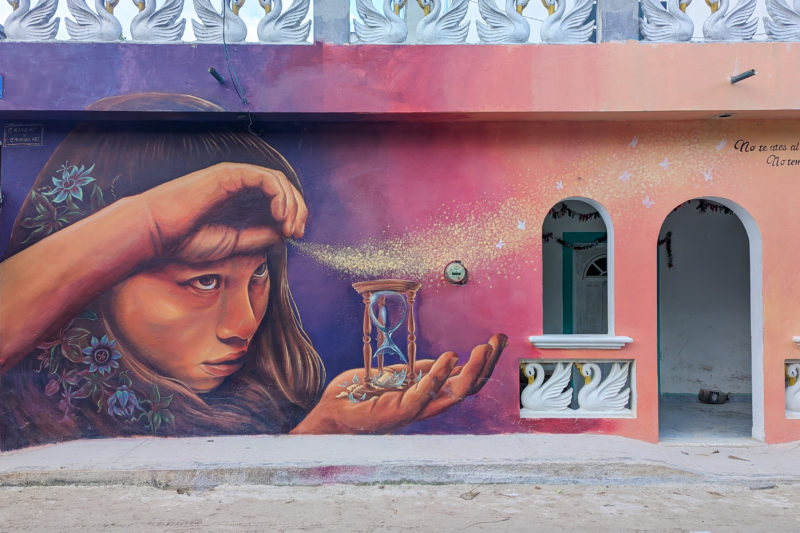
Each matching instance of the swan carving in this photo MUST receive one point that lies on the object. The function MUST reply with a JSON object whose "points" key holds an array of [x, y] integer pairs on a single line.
{"points": [[570, 27], [783, 23], [31, 24], [733, 25], [599, 395], [216, 26], [550, 396], [793, 389], [442, 27], [278, 26], [500, 26], [376, 28], [162, 24], [99, 25], [666, 25]]}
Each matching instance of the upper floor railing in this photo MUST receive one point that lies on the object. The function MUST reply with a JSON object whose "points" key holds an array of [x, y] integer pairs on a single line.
{"points": [[400, 21], [162, 21]]}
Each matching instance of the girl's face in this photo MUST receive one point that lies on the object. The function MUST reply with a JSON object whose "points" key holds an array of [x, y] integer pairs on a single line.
{"points": [[193, 321]]}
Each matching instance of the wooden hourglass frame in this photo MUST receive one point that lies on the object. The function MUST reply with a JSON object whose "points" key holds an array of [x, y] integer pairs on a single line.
{"points": [[408, 289]]}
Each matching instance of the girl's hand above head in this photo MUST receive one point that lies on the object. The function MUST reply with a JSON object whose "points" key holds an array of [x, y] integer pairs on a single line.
{"points": [[443, 385], [176, 208]]}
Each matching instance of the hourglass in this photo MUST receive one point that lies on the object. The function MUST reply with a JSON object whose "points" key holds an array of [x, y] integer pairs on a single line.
{"points": [[388, 304]]}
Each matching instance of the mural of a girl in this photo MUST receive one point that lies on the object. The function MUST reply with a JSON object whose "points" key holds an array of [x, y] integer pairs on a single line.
{"points": [[145, 292]]}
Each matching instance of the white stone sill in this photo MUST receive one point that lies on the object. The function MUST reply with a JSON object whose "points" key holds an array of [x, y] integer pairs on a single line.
{"points": [[576, 413], [580, 342]]}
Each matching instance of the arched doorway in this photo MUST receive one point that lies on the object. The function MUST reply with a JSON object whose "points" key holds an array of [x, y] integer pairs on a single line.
{"points": [[710, 322]]}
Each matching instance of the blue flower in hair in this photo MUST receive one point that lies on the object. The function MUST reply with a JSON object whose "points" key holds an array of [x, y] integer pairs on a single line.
{"points": [[102, 355], [123, 403], [72, 179]]}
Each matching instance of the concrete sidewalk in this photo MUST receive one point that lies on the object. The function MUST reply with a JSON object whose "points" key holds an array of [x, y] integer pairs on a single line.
{"points": [[310, 460]]}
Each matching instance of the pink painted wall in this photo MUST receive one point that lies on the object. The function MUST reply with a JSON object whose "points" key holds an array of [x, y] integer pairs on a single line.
{"points": [[637, 80], [402, 200], [488, 136], [456, 190]]}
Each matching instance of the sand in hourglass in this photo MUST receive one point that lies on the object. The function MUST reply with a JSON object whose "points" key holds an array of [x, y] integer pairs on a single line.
{"points": [[379, 297]]}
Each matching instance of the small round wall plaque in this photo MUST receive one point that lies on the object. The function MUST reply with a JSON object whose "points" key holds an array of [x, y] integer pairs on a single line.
{"points": [[455, 273]]}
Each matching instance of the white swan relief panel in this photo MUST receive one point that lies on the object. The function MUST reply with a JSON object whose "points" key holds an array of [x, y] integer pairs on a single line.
{"points": [[713, 20], [557, 20], [577, 388], [252, 15], [508, 21], [792, 385], [485, 21]]}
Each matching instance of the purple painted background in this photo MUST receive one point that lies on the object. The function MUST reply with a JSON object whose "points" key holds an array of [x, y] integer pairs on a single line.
{"points": [[330, 308]]}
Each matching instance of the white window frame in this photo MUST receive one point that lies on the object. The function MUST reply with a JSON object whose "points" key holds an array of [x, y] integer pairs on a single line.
{"points": [[583, 341]]}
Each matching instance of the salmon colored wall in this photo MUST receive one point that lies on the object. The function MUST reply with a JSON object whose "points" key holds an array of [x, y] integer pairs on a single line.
{"points": [[511, 82], [403, 199], [514, 170], [445, 183]]}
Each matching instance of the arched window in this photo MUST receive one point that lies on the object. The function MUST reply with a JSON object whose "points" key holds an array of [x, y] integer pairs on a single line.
{"points": [[597, 268], [578, 277]]}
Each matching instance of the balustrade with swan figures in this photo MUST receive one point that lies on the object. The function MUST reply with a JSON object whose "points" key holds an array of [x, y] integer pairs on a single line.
{"points": [[397, 22], [577, 389]]}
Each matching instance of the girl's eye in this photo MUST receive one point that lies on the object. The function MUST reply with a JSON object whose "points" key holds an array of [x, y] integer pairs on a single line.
{"points": [[261, 272], [209, 282]]}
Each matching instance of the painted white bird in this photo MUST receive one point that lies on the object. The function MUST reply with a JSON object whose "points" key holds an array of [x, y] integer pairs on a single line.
{"points": [[550, 396], [442, 27], [211, 29], [733, 25], [598, 395], [571, 27], [793, 390], [284, 27], [783, 23], [376, 28], [31, 24], [99, 25], [670, 24], [500, 26], [162, 24]]}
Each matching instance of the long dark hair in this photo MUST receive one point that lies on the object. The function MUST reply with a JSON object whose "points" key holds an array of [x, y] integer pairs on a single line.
{"points": [[283, 374]]}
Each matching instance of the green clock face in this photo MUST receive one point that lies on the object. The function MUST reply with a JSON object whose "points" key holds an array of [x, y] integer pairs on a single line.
{"points": [[455, 273]]}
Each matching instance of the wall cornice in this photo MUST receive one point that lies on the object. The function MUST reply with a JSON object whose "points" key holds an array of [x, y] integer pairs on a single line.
{"points": [[617, 81]]}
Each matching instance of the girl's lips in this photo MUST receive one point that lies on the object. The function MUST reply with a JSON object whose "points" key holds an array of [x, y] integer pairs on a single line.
{"points": [[224, 367]]}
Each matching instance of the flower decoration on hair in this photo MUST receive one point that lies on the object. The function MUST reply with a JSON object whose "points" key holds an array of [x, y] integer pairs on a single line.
{"points": [[68, 191], [71, 184], [82, 365], [101, 355], [123, 403]]}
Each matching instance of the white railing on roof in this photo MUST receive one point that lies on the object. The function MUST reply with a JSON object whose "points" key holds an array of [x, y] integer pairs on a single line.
{"points": [[472, 21], [391, 21], [567, 21], [720, 20], [162, 21]]}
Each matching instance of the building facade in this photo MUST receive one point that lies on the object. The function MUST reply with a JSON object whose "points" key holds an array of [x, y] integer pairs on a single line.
{"points": [[620, 211]]}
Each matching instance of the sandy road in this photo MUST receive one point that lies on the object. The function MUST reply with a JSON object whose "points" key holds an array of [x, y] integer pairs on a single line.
{"points": [[347, 508]]}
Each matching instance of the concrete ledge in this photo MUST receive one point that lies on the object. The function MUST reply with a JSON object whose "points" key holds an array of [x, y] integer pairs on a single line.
{"points": [[344, 82], [204, 477], [293, 460], [580, 341]]}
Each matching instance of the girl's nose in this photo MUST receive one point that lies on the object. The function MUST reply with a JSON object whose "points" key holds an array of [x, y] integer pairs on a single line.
{"points": [[237, 319]]}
